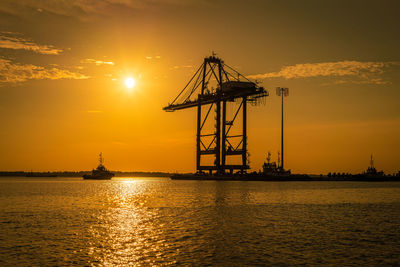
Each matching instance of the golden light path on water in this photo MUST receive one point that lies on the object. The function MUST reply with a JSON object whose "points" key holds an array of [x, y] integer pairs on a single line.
{"points": [[138, 221], [127, 232], [157, 221]]}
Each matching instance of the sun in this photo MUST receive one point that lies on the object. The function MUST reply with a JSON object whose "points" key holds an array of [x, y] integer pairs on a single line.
{"points": [[130, 82]]}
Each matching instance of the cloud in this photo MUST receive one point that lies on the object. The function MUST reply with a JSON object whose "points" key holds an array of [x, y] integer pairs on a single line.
{"points": [[151, 57], [85, 8], [14, 73], [97, 62], [365, 72], [181, 67], [11, 41]]}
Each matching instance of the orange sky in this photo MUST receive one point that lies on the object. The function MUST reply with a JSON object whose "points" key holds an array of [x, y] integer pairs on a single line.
{"points": [[63, 66]]}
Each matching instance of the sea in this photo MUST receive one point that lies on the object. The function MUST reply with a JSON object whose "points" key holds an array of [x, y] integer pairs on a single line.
{"points": [[158, 221]]}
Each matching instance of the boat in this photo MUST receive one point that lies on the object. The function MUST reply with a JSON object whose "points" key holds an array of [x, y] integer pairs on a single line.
{"points": [[372, 174], [100, 173], [271, 169], [371, 171]]}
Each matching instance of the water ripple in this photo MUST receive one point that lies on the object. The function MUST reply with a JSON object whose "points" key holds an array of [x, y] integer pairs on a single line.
{"points": [[161, 222]]}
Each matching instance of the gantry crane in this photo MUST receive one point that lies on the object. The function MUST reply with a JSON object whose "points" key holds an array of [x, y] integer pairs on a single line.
{"points": [[230, 86]]}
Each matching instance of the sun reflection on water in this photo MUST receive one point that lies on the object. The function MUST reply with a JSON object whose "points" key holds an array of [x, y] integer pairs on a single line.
{"points": [[127, 230], [152, 221]]}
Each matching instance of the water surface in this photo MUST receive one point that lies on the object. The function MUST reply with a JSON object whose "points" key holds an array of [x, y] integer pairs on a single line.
{"points": [[142, 221]]}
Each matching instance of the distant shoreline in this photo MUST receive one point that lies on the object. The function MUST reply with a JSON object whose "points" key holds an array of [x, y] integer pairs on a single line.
{"points": [[288, 178], [188, 176], [81, 173]]}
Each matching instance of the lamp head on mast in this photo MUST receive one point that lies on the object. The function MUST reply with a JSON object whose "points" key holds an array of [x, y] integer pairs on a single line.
{"points": [[282, 91]]}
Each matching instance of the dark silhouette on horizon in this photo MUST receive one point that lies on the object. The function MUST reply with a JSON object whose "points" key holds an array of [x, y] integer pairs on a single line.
{"points": [[100, 173], [230, 85]]}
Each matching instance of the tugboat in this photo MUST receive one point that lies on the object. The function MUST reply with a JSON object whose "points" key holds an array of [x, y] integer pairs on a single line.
{"points": [[100, 173], [371, 174], [272, 169], [371, 171]]}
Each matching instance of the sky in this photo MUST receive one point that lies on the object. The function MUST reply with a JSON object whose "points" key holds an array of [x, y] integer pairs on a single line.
{"points": [[63, 65]]}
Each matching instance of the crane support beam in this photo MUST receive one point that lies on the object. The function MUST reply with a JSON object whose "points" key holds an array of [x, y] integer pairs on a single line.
{"points": [[244, 140], [212, 98]]}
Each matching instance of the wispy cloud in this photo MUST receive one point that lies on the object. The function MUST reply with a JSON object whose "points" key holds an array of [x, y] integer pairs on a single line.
{"points": [[87, 8], [366, 72], [12, 41], [13, 72], [181, 67], [97, 62], [151, 57]]}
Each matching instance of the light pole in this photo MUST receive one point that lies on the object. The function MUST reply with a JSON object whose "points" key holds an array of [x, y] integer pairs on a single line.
{"points": [[282, 92]]}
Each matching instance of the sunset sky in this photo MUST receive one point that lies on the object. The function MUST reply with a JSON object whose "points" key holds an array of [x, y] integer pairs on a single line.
{"points": [[63, 66]]}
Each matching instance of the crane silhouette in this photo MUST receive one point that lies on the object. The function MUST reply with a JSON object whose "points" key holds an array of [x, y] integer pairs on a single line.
{"points": [[230, 86]]}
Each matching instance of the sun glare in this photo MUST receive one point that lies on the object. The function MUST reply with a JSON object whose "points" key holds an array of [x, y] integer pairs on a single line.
{"points": [[130, 82]]}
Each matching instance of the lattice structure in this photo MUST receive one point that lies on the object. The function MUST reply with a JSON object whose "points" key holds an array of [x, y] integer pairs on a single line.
{"points": [[216, 85]]}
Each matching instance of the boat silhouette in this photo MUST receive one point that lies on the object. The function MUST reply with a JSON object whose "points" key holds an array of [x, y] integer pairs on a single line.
{"points": [[100, 173]]}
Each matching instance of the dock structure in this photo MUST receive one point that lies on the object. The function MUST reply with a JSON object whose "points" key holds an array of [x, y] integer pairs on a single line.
{"points": [[230, 86]]}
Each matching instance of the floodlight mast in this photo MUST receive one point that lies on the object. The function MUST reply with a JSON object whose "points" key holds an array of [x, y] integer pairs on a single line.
{"points": [[282, 92]]}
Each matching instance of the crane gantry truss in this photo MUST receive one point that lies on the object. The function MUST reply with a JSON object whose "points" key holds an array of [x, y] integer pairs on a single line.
{"points": [[230, 86]]}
